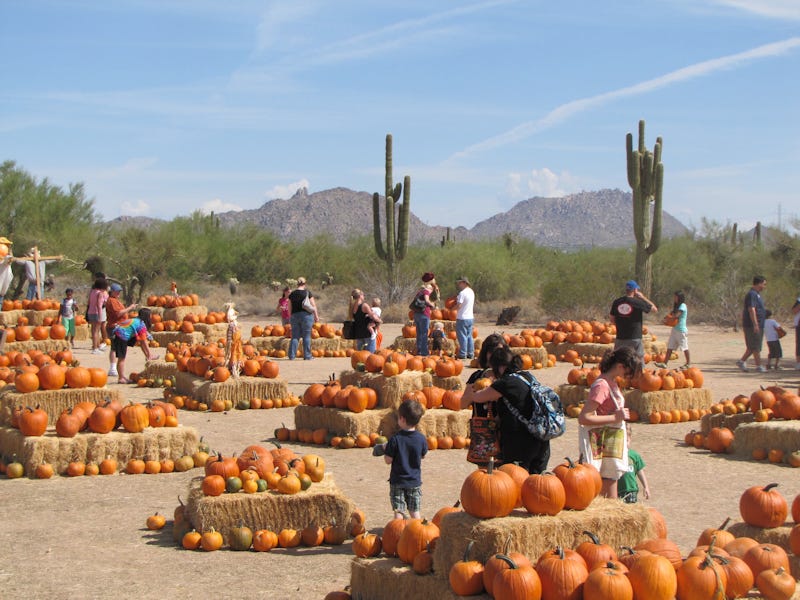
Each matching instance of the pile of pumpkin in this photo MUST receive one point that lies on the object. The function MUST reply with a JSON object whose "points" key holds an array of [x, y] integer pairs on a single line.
{"points": [[53, 376], [90, 417], [173, 301], [54, 330], [14, 362], [46, 304], [318, 330], [259, 469], [390, 362], [208, 361], [766, 403], [158, 324], [220, 405], [647, 380]]}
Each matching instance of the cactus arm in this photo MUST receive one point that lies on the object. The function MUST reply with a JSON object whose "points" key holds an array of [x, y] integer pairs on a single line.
{"points": [[390, 231], [641, 137], [376, 226], [633, 162], [655, 236], [404, 219], [397, 192]]}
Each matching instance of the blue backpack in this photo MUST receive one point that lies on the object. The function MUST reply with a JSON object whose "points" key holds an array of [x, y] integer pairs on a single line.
{"points": [[547, 419]]}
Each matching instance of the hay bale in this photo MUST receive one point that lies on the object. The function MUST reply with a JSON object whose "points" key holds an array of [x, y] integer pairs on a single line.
{"points": [[402, 344], [341, 422], [212, 332], [572, 394], [159, 368], [448, 383], [83, 333], [270, 342], [440, 421], [781, 434], [37, 317], [709, 421], [684, 399], [539, 355], [583, 349], [151, 444], [9, 318], [179, 312], [381, 578], [176, 337], [235, 389], [282, 343], [322, 503], [46, 346], [390, 390], [615, 523], [53, 402]]}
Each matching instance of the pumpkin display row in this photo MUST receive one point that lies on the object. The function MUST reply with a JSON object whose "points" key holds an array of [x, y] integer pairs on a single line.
{"points": [[185, 325], [26, 333], [108, 466], [13, 363], [648, 380], [719, 440], [96, 418], [45, 304], [54, 377], [318, 330], [766, 403], [219, 405], [173, 300]]}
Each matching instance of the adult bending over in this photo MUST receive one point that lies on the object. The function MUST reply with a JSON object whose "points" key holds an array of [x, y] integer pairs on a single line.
{"points": [[363, 314], [601, 435], [512, 386]]}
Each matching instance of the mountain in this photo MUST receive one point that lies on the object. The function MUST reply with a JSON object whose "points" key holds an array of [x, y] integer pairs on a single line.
{"points": [[600, 218]]}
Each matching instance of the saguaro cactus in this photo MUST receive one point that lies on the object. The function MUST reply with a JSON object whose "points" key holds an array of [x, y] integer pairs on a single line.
{"points": [[394, 250], [646, 178]]}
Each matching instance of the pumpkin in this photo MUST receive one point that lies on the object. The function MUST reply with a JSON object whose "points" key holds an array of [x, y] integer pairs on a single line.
{"points": [[466, 576], [423, 562], [516, 581], [657, 522], [69, 423], [366, 545], [543, 494], [517, 473], [580, 483], [739, 546], [191, 540], [76, 469], [561, 577], [701, 578], [495, 564], [134, 417], [593, 552], [52, 377], [108, 466], [763, 506], [335, 534], [740, 577], [391, 535], [608, 582], [44, 471], [264, 540], [33, 421], [766, 556], [26, 382], [414, 538], [444, 511], [103, 419], [223, 466], [653, 577], [488, 493], [213, 485], [257, 458], [663, 547], [211, 540], [719, 439], [156, 521], [240, 538], [776, 584], [721, 536]]}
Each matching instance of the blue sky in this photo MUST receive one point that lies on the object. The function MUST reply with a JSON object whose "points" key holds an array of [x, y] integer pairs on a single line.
{"points": [[162, 107]]}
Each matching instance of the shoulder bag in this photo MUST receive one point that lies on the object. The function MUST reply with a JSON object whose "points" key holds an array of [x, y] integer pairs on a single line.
{"points": [[484, 438], [307, 306]]}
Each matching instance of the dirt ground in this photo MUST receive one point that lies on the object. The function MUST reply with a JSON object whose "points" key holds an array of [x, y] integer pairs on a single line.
{"points": [[85, 537]]}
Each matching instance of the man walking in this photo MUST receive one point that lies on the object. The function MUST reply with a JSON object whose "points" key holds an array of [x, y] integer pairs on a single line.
{"points": [[465, 318], [753, 317], [626, 315]]}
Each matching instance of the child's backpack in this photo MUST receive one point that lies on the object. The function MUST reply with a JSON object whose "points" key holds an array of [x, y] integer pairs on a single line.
{"points": [[547, 419]]}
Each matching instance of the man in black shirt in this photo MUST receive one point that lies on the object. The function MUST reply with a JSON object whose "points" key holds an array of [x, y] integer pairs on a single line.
{"points": [[626, 314]]}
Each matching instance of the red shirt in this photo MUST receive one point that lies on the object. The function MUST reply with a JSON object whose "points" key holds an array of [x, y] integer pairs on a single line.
{"points": [[115, 311]]}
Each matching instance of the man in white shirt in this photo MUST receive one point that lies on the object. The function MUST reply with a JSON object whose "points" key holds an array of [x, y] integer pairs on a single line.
{"points": [[465, 304]]}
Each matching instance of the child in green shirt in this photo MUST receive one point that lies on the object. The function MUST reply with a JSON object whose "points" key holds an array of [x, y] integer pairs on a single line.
{"points": [[628, 486]]}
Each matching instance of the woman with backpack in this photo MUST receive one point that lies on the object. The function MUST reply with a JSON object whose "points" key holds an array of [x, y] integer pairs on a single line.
{"points": [[424, 300], [511, 393], [601, 436]]}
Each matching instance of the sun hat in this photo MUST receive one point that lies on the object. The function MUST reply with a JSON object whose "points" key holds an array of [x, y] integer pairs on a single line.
{"points": [[115, 287], [426, 277], [463, 279], [632, 285]]}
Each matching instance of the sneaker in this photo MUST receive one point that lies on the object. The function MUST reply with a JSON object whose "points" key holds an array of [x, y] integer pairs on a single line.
{"points": [[741, 365], [761, 369], [686, 366], [661, 365], [97, 351], [113, 373], [103, 346]]}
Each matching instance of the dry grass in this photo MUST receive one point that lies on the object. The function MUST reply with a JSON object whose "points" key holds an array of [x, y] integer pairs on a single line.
{"points": [[708, 422], [381, 578], [390, 390], [243, 388], [342, 422], [778, 434]]}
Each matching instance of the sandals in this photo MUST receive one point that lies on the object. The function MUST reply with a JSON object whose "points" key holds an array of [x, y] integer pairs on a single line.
{"points": [[123, 380]]}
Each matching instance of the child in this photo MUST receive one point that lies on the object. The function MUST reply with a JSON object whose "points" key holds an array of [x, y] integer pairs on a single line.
{"points": [[627, 486], [437, 337], [373, 327], [284, 306], [405, 451], [67, 312], [773, 332], [678, 337]]}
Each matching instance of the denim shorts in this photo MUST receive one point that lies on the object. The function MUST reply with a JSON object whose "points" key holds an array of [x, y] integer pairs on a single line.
{"points": [[405, 498]]}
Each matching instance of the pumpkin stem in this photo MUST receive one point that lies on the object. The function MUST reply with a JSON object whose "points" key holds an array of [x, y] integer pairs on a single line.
{"points": [[508, 560], [593, 537], [467, 549], [570, 462], [724, 524], [769, 486]]}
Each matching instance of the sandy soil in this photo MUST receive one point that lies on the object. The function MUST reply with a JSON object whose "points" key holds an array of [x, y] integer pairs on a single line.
{"points": [[85, 537]]}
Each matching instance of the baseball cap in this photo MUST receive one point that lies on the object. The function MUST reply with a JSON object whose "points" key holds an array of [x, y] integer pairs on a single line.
{"points": [[115, 287], [632, 285]]}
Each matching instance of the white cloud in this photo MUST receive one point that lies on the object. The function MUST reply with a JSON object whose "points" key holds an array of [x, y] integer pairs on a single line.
{"points": [[218, 206], [280, 22], [136, 209], [569, 109], [285, 191], [539, 182], [782, 9]]}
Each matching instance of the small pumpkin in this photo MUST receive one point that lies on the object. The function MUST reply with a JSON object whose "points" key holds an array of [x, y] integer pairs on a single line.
{"points": [[366, 545], [466, 576], [156, 521]]}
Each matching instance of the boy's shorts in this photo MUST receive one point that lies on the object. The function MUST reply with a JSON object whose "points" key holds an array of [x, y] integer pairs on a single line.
{"points": [[69, 325], [775, 349], [405, 499]]}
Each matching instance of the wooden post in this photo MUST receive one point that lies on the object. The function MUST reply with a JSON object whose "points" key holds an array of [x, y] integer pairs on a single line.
{"points": [[35, 260]]}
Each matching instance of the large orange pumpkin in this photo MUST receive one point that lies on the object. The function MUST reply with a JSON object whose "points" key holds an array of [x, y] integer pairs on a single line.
{"points": [[78, 377], [52, 377]]}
